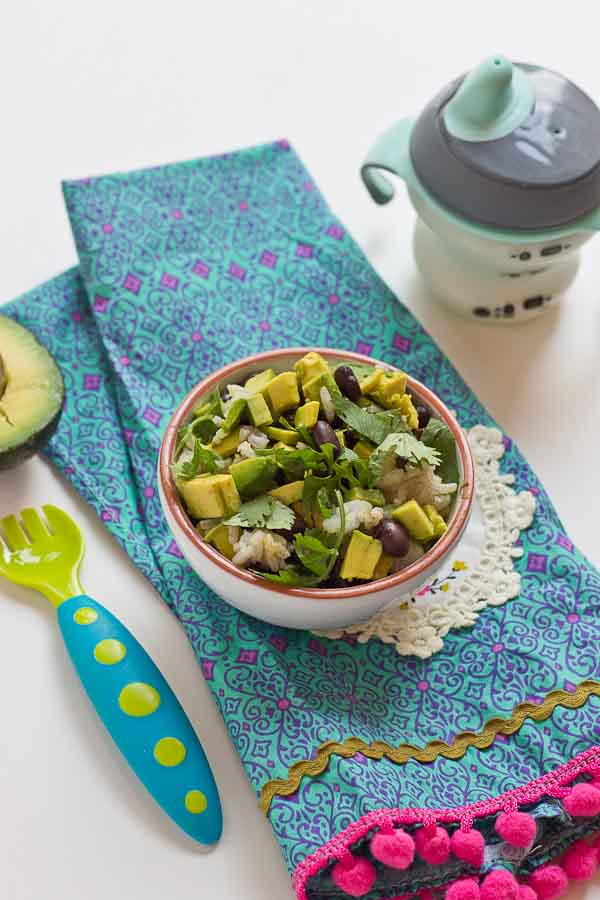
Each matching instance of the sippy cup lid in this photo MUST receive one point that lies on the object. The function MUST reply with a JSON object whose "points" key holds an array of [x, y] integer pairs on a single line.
{"points": [[510, 145]]}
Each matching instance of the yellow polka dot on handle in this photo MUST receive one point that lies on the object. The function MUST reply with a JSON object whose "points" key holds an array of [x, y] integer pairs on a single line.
{"points": [[109, 652], [169, 751], [195, 802], [85, 615], [139, 699]]}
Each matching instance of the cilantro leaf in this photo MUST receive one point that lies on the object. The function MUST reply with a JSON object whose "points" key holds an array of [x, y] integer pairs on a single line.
{"points": [[295, 463], [313, 549], [313, 554], [263, 512], [203, 459], [312, 485], [187, 467], [405, 445], [375, 426], [354, 470], [436, 434], [306, 436], [204, 428], [210, 461], [211, 407], [292, 578]]}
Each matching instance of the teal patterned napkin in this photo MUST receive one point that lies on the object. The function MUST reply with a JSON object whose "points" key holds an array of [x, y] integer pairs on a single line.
{"points": [[184, 268]]}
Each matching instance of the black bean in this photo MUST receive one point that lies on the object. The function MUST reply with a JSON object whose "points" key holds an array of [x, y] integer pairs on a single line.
{"points": [[424, 416], [393, 536], [347, 382], [323, 433]]}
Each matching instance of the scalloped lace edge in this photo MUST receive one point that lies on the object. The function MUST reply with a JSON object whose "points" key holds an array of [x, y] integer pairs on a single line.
{"points": [[419, 631]]}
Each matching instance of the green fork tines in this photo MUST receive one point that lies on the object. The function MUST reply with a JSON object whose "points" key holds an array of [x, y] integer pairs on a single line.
{"points": [[42, 553]]}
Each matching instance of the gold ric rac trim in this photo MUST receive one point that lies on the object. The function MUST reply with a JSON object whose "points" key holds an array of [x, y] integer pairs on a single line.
{"points": [[539, 712]]}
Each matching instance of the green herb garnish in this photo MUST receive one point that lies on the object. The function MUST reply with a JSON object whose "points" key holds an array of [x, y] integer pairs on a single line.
{"points": [[375, 426], [404, 445], [436, 434], [263, 512], [203, 459], [315, 554]]}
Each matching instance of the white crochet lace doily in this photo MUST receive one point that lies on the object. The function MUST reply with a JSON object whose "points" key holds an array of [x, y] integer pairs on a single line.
{"points": [[480, 572]]}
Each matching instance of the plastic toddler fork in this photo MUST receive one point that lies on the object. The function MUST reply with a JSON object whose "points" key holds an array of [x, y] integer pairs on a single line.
{"points": [[130, 695]]}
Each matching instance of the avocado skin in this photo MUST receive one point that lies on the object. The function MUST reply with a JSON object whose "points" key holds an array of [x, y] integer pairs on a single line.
{"points": [[10, 459]]}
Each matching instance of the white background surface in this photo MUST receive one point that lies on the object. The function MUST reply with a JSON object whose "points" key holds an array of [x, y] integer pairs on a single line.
{"points": [[92, 88]]}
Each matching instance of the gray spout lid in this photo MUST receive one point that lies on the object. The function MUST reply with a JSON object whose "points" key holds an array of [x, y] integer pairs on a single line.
{"points": [[543, 173]]}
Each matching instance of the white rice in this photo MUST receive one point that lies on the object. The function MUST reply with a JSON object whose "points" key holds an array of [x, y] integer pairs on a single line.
{"points": [[261, 548]]}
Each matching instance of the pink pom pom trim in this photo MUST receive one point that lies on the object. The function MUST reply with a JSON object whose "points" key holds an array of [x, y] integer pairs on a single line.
{"points": [[499, 885], [468, 846], [433, 844], [580, 861], [583, 800], [548, 882], [354, 875], [516, 828], [394, 848], [463, 889], [527, 893]]}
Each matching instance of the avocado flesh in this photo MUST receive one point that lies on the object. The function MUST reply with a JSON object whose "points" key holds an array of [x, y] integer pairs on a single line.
{"points": [[31, 394]]}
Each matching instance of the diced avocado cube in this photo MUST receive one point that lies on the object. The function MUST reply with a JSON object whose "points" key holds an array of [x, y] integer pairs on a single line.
{"points": [[219, 538], [415, 519], [311, 365], [282, 434], [341, 436], [438, 522], [312, 388], [372, 495], [210, 496], [383, 566], [288, 493], [307, 415], [258, 411], [229, 443], [362, 557], [404, 405], [258, 383], [391, 383], [281, 446], [253, 476], [234, 413], [282, 393], [370, 383], [387, 388], [363, 449]]}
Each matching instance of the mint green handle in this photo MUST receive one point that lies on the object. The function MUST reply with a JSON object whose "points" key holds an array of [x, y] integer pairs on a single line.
{"points": [[390, 152]]}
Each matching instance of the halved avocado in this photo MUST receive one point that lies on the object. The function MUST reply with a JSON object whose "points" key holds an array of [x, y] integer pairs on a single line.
{"points": [[31, 394]]}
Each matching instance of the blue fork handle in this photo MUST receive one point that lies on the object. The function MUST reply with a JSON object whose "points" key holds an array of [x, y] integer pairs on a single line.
{"points": [[143, 716]]}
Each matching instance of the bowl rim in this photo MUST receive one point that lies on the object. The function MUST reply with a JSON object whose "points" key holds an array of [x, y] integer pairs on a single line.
{"points": [[175, 505]]}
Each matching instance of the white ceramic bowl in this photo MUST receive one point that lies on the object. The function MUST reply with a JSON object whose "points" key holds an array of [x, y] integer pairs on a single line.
{"points": [[310, 608]]}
